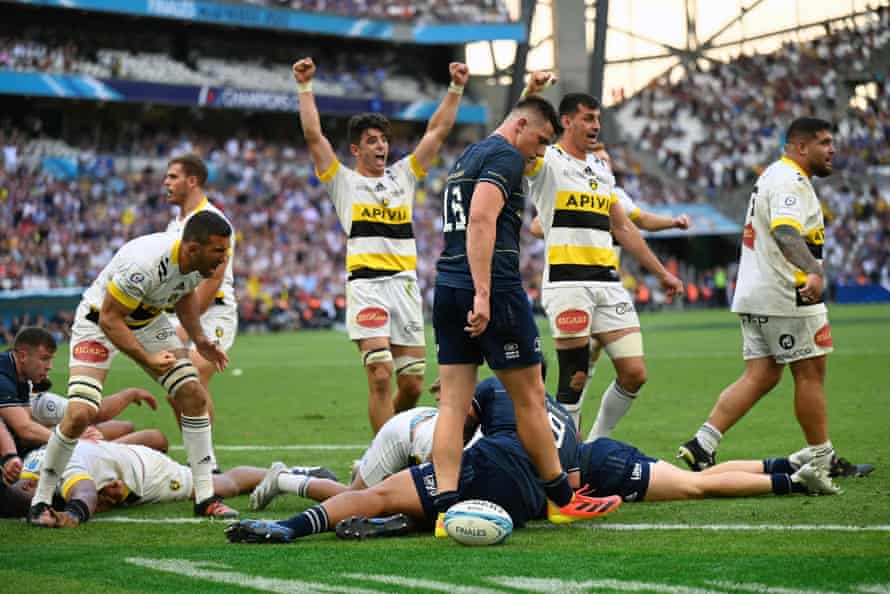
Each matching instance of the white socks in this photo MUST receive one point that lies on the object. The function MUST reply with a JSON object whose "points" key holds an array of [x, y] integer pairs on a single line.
{"points": [[199, 451], [708, 437], [59, 449], [614, 405], [296, 484]]}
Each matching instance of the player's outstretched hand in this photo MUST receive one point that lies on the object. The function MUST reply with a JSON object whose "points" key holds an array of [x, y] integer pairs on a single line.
{"points": [[812, 290], [138, 395], [304, 70], [460, 73], [214, 354], [11, 470], [682, 222], [65, 520], [672, 285], [477, 320], [161, 362]]}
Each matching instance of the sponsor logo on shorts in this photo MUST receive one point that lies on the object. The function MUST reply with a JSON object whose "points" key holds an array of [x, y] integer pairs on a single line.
{"points": [[823, 336], [794, 355], [786, 341], [90, 351], [623, 308], [511, 351], [413, 327], [371, 317], [754, 320], [572, 320], [637, 473], [165, 333], [175, 486], [748, 236]]}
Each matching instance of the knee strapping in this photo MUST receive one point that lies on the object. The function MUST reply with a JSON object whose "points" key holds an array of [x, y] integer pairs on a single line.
{"points": [[376, 356], [573, 365], [86, 389], [407, 365], [629, 345], [182, 373]]}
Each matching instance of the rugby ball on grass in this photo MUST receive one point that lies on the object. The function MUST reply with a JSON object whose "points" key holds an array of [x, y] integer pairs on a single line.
{"points": [[477, 522]]}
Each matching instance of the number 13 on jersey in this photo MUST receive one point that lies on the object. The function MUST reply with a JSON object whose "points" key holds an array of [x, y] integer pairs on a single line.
{"points": [[455, 218]]}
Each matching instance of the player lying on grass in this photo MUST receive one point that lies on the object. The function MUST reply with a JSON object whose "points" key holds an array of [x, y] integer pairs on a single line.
{"points": [[495, 468], [103, 475]]}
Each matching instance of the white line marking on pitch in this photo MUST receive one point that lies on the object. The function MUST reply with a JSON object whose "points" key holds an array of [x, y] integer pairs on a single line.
{"points": [[617, 527], [723, 527], [264, 448]]}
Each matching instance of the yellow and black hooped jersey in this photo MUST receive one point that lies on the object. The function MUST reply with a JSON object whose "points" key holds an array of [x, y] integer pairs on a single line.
{"points": [[574, 199], [768, 283], [143, 275], [375, 212], [225, 296]]}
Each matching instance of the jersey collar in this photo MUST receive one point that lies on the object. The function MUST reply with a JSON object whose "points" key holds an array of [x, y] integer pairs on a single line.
{"points": [[201, 206], [794, 164]]}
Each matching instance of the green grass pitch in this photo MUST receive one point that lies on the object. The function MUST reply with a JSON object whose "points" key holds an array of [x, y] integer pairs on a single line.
{"points": [[308, 390]]}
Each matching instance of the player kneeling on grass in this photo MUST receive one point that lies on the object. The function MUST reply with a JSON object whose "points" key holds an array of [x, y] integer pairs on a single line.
{"points": [[103, 475]]}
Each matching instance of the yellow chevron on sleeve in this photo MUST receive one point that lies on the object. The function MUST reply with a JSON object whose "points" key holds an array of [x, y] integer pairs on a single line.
{"points": [[418, 171], [122, 297], [70, 482], [786, 221], [330, 173]]}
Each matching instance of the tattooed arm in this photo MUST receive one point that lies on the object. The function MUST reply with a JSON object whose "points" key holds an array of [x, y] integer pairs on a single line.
{"points": [[795, 250]]}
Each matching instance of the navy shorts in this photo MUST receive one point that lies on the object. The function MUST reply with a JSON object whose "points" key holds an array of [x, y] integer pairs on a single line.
{"points": [[614, 468], [481, 478], [510, 340]]}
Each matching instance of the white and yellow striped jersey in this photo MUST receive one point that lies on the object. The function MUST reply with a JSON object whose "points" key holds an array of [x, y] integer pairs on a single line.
{"points": [[149, 475], [574, 199], [143, 275], [767, 282], [375, 212], [225, 297]]}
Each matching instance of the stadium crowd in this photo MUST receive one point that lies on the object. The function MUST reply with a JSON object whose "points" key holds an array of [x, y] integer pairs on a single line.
{"points": [[474, 11]]}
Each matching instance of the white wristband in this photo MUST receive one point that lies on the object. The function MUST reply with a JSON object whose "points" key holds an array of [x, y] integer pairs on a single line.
{"points": [[456, 89], [305, 87]]}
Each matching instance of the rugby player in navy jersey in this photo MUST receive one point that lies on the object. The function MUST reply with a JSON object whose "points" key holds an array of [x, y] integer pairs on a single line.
{"points": [[481, 311]]}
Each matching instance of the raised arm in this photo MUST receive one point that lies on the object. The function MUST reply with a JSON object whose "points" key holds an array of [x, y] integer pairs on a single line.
{"points": [[443, 119], [319, 147]]}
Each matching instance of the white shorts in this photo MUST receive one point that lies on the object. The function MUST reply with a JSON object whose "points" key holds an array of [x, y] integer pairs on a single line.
{"points": [[164, 479], [785, 339], [403, 441], [91, 348], [385, 307], [585, 311], [219, 323]]}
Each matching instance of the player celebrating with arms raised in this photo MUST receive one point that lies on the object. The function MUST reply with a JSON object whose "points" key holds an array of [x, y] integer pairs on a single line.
{"points": [[374, 202]]}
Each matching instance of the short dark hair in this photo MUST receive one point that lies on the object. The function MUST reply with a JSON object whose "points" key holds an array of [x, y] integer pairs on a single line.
{"points": [[570, 103], [806, 128], [544, 109], [202, 225], [193, 165], [31, 337], [365, 121]]}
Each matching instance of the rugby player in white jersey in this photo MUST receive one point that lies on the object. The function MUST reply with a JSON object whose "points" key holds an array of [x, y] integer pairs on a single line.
{"points": [[184, 183], [646, 220], [778, 298], [102, 475], [123, 310], [374, 203], [582, 294]]}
